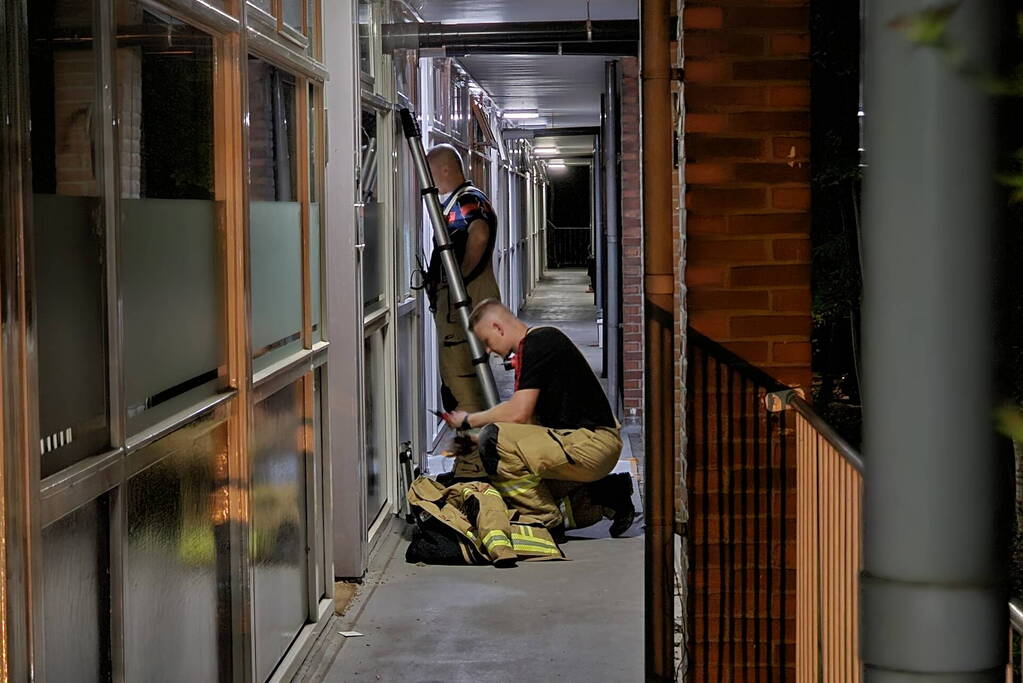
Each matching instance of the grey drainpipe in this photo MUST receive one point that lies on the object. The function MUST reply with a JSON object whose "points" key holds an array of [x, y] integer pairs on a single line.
{"points": [[613, 311], [598, 226], [932, 606]]}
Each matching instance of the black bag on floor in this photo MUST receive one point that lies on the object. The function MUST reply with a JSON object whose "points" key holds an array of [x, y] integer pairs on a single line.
{"points": [[433, 542]]}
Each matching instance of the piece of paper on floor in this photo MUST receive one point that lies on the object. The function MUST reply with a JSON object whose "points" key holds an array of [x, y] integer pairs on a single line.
{"points": [[349, 634]]}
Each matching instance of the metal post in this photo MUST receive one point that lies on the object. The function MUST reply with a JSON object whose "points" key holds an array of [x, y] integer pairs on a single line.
{"points": [[459, 299], [932, 605], [598, 238], [659, 324], [613, 311]]}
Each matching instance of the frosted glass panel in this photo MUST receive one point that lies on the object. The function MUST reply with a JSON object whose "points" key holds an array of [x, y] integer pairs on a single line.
{"points": [[172, 290], [278, 525], [72, 330], [76, 595], [408, 385], [275, 229], [67, 229], [315, 272], [275, 246], [170, 259], [176, 563]]}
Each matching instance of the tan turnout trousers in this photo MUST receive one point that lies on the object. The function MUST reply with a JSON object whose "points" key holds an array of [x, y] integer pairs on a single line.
{"points": [[529, 456], [456, 369]]}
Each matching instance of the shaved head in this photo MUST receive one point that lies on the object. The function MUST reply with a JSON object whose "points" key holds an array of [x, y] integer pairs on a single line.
{"points": [[497, 327], [446, 167]]}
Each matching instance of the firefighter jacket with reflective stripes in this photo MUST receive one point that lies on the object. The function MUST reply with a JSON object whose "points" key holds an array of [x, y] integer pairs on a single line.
{"points": [[487, 531]]}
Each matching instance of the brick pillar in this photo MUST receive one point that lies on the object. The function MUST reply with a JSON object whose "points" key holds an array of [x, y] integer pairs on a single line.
{"points": [[746, 95], [632, 246]]}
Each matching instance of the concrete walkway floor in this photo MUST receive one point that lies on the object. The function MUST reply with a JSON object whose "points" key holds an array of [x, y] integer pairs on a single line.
{"points": [[580, 620]]}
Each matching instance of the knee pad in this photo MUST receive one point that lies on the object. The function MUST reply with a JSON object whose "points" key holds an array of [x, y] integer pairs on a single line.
{"points": [[488, 448]]}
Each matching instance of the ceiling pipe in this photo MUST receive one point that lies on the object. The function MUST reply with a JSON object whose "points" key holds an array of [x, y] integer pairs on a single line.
{"points": [[413, 36], [533, 133], [607, 48]]}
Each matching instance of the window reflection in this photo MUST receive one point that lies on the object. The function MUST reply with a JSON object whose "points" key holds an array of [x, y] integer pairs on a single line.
{"points": [[68, 231], [374, 265], [365, 36], [275, 219], [171, 268]]}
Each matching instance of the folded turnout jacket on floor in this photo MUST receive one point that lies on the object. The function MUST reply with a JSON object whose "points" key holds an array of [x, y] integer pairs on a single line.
{"points": [[469, 523]]}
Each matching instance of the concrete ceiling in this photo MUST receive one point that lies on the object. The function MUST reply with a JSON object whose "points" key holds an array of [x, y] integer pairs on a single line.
{"points": [[564, 89]]}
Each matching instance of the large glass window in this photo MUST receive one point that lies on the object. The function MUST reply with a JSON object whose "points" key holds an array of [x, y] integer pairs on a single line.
{"points": [[375, 412], [292, 13], [366, 36], [315, 222], [171, 267], [278, 545], [275, 215], [176, 558], [374, 255], [68, 229], [76, 595], [407, 215]]}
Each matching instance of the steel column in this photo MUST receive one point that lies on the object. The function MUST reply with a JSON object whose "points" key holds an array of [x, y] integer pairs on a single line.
{"points": [[613, 310], [932, 605]]}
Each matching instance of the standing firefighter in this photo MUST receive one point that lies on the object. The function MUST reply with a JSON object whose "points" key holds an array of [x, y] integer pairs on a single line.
{"points": [[555, 432], [472, 227]]}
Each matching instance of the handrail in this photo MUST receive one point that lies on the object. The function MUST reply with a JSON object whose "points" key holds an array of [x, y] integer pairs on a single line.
{"points": [[792, 398], [1016, 614], [733, 360]]}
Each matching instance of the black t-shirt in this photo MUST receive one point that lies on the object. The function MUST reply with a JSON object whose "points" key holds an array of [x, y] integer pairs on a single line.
{"points": [[570, 394]]}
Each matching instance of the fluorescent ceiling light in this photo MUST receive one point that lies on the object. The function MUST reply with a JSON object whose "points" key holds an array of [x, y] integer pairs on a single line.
{"points": [[521, 114], [547, 150], [557, 165], [533, 123]]}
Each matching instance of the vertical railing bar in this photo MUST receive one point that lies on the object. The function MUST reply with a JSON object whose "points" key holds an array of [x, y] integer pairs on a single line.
{"points": [[769, 472], [800, 552], [705, 648], [847, 494], [721, 510], [784, 538], [730, 497], [692, 472], [830, 561], [744, 528], [758, 643]]}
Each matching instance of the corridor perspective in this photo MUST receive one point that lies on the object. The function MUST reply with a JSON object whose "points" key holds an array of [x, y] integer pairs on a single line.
{"points": [[510, 340], [479, 620]]}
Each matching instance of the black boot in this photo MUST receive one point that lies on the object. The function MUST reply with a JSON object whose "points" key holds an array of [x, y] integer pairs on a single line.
{"points": [[615, 493]]}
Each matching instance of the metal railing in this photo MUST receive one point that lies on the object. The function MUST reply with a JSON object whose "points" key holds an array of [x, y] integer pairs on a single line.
{"points": [[1014, 669], [742, 574], [567, 247], [829, 545], [741, 520]]}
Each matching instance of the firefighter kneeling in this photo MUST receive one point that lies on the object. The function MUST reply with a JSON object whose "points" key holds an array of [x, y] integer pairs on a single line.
{"points": [[555, 433]]}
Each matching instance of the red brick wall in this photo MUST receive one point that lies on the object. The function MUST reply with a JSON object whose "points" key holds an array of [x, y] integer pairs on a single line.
{"points": [[747, 197], [632, 246], [747, 95]]}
